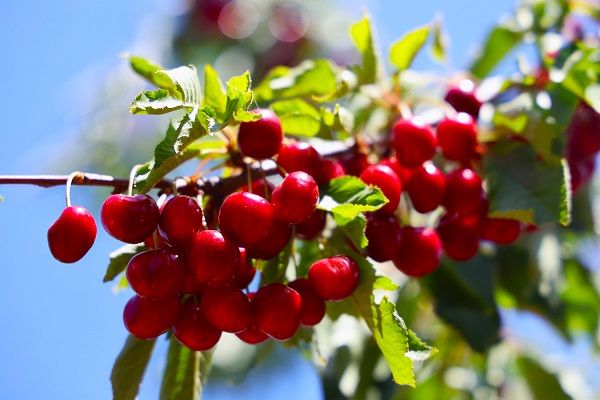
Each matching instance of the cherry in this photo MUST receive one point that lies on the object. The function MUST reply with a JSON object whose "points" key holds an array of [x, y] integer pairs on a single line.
{"points": [[158, 244], [312, 226], [278, 237], [193, 330], [252, 335], [581, 171], [295, 198], [501, 230], [354, 163], [334, 278], [385, 179], [245, 218], [213, 258], [383, 233], [313, 306], [147, 318], [459, 236], [130, 219], [457, 137], [191, 284], [426, 188], [156, 274], [414, 142], [420, 251], [403, 173], [245, 272], [301, 156], [180, 220], [277, 310], [260, 187], [463, 99], [464, 194], [330, 169], [227, 309], [72, 235], [582, 133], [261, 139]]}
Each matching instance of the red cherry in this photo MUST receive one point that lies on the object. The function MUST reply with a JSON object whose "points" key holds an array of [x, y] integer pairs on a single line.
{"points": [[581, 171], [212, 258], [260, 187], [245, 272], [354, 163], [313, 306], [583, 140], [383, 233], [334, 278], [261, 139], [501, 230], [457, 137], [191, 284], [301, 156], [252, 335], [463, 99], [313, 226], [156, 274], [295, 199], [459, 236], [245, 218], [403, 173], [330, 169], [72, 235], [193, 330], [277, 310], [147, 318], [278, 237], [227, 309], [414, 142], [180, 220], [420, 251], [130, 219], [385, 179], [158, 244], [464, 194], [426, 188]]}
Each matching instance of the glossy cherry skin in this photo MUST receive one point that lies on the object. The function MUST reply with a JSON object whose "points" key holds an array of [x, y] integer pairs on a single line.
{"points": [[72, 235], [245, 272], [193, 330], [334, 278], [156, 274], [252, 335], [426, 188], [414, 142], [261, 139], [354, 163], [420, 251], [501, 230], [459, 236], [260, 187], [313, 306], [213, 258], [180, 220], [457, 137], [582, 171], [385, 179], [403, 173], [191, 284], [312, 226], [462, 98], [383, 233], [147, 318], [130, 219], [464, 193], [277, 310], [331, 169], [245, 218], [295, 198], [227, 309], [301, 156], [278, 237]]}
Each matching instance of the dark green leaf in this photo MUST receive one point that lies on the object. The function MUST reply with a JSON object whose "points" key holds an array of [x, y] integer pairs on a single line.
{"points": [[155, 102], [543, 384], [522, 187], [148, 71], [500, 41], [354, 229], [128, 371], [362, 34], [404, 51], [185, 373], [120, 258]]}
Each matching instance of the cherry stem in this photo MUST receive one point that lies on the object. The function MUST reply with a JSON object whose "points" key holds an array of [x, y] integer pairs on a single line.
{"points": [[249, 178], [405, 111], [134, 170], [77, 174]]}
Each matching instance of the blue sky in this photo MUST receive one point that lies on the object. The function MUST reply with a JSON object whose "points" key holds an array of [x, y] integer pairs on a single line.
{"points": [[60, 326]]}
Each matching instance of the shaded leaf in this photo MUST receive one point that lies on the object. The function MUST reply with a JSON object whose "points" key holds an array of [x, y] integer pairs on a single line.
{"points": [[120, 258], [273, 270], [499, 42], [543, 384], [128, 371], [404, 51]]}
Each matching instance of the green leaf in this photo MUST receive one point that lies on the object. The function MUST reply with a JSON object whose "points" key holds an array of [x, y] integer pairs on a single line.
{"points": [[128, 371], [239, 95], [348, 196], [185, 373], [186, 83], [120, 258], [362, 35], [404, 51], [155, 102], [440, 42], [354, 229], [581, 298], [215, 95], [543, 384], [312, 78], [582, 75], [464, 298], [499, 42], [417, 349], [148, 71], [298, 117], [340, 119], [523, 188], [273, 270]]}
